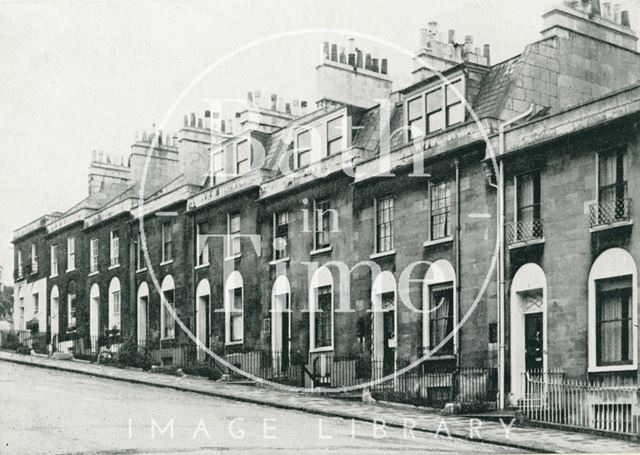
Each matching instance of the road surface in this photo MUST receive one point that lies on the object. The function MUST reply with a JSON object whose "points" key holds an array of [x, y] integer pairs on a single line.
{"points": [[48, 411]]}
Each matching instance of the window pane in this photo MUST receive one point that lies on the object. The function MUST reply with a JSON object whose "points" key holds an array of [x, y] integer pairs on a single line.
{"points": [[415, 107], [434, 101], [384, 223], [435, 121], [304, 158], [455, 114], [334, 147], [334, 129], [452, 98], [304, 140]]}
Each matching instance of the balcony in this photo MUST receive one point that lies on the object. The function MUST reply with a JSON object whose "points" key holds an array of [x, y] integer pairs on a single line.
{"points": [[610, 214], [525, 232]]}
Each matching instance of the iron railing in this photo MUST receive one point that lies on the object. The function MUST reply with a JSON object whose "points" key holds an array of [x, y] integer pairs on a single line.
{"points": [[610, 404], [603, 213], [525, 231]]}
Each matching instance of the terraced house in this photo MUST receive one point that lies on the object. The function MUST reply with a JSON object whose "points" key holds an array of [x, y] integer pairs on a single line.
{"points": [[480, 219]]}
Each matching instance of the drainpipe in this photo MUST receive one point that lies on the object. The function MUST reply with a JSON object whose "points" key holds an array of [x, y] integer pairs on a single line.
{"points": [[457, 253], [501, 256]]}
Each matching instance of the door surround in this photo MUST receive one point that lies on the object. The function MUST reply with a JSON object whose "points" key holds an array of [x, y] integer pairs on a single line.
{"points": [[529, 278]]}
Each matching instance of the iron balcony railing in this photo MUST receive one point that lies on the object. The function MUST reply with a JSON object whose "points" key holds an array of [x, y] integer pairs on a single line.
{"points": [[609, 212], [525, 231]]}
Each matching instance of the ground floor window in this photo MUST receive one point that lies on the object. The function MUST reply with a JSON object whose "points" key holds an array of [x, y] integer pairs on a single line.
{"points": [[441, 317], [168, 323], [323, 317], [614, 325]]}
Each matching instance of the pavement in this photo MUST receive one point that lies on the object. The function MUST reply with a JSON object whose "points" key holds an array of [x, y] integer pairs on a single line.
{"points": [[404, 417]]}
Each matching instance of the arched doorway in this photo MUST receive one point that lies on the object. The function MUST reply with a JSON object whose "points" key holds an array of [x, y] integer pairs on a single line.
{"points": [[143, 312], [94, 315], [281, 324], [385, 322], [528, 322], [203, 315]]}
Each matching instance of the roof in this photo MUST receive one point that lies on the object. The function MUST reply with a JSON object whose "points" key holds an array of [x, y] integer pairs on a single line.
{"points": [[494, 90]]}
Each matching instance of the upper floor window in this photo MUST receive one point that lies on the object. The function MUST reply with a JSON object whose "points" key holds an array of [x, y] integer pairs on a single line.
{"points": [[71, 254], [54, 260], [167, 242], [612, 186], [115, 249], [20, 265], [384, 224], [415, 109], [440, 211], [614, 322], [233, 233], [322, 223], [334, 136], [455, 108], [140, 260], [34, 258], [243, 157], [202, 248], [303, 149], [435, 109], [280, 235], [93, 253], [217, 165], [168, 328], [528, 224]]}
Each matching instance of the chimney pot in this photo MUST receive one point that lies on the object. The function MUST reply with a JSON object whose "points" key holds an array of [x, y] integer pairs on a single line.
{"points": [[595, 8], [186, 120], [452, 36], [193, 120], [352, 45], [616, 13], [325, 50], [624, 19], [207, 114], [343, 56], [359, 58], [250, 97], [200, 124], [367, 62], [287, 108], [383, 66], [606, 10], [352, 59], [274, 102], [222, 126], [334, 52], [424, 37], [374, 65], [487, 53]]}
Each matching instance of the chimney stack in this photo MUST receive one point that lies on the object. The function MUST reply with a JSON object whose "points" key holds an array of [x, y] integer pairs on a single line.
{"points": [[616, 13], [486, 53], [452, 37], [207, 119], [468, 44]]}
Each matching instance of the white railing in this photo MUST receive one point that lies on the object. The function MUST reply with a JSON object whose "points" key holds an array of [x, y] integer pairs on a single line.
{"points": [[608, 405]]}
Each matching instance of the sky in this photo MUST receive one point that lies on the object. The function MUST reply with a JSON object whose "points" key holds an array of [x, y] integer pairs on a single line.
{"points": [[83, 75]]}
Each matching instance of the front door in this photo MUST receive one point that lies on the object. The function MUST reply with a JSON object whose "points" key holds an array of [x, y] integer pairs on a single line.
{"points": [[388, 334], [533, 343], [94, 320], [280, 332]]}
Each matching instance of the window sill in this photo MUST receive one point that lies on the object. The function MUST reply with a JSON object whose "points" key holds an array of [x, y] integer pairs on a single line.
{"points": [[604, 227], [325, 249], [382, 254], [322, 349], [524, 243], [168, 338], [201, 266], [166, 262], [34, 273], [112, 267], [233, 343], [93, 273], [233, 257], [428, 243], [602, 369], [53, 276], [439, 357], [141, 270], [279, 261], [70, 270]]}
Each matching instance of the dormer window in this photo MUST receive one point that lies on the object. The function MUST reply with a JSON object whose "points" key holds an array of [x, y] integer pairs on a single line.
{"points": [[303, 149], [435, 109], [243, 157], [334, 136]]}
